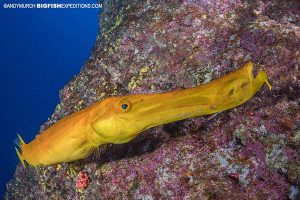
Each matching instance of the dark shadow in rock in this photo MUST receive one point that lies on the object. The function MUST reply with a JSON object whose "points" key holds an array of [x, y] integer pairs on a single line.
{"points": [[175, 129], [113, 152]]}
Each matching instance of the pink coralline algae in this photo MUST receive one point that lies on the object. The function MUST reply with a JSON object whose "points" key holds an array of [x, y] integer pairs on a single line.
{"points": [[82, 180], [249, 152]]}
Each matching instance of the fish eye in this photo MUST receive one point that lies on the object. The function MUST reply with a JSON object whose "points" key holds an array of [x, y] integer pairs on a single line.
{"points": [[124, 106]]}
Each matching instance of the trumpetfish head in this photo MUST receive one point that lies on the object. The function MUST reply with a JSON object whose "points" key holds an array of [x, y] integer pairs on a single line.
{"points": [[120, 119]]}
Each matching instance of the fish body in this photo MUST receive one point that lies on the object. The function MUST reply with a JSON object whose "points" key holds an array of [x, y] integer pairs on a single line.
{"points": [[120, 119]]}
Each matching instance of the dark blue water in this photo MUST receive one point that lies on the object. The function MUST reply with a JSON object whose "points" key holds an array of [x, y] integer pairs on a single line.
{"points": [[41, 50]]}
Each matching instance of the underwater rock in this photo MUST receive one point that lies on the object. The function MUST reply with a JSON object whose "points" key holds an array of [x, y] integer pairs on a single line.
{"points": [[249, 152]]}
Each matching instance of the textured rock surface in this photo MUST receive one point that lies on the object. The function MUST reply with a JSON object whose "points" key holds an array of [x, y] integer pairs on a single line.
{"points": [[250, 152]]}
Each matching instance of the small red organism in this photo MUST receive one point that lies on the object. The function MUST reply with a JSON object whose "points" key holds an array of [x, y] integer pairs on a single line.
{"points": [[82, 180]]}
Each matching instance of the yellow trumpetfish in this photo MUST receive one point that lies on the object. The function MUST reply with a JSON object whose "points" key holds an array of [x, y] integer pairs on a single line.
{"points": [[119, 119]]}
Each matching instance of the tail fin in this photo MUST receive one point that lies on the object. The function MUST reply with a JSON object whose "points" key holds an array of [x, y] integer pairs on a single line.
{"points": [[20, 144]]}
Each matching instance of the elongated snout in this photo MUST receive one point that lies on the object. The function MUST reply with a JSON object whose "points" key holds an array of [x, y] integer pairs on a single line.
{"points": [[227, 92]]}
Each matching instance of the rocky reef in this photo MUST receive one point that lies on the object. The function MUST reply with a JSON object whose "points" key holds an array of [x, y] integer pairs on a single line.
{"points": [[249, 152]]}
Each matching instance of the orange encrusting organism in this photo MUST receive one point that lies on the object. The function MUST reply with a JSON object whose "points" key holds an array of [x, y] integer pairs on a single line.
{"points": [[119, 119]]}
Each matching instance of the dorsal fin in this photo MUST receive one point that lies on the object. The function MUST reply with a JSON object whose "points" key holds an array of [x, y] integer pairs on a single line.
{"points": [[21, 141]]}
